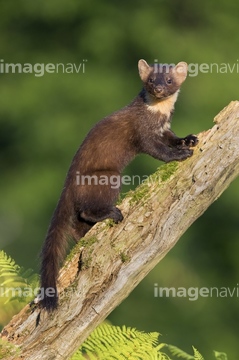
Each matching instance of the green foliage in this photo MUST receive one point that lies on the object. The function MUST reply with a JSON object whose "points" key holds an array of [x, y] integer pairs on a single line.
{"points": [[166, 171], [124, 257], [17, 286], [140, 193], [197, 355], [15, 277], [175, 351], [7, 349], [220, 355], [113, 342], [83, 242]]}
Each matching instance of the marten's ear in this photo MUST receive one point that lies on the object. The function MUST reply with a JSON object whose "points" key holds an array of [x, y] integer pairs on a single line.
{"points": [[144, 70], [180, 72]]}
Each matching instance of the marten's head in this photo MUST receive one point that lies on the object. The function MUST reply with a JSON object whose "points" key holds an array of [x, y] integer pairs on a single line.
{"points": [[162, 80]]}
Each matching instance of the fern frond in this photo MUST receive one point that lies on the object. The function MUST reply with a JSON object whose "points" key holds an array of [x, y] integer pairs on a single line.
{"points": [[8, 266], [9, 272], [220, 355], [113, 342], [108, 342], [179, 353], [197, 355], [15, 278]]}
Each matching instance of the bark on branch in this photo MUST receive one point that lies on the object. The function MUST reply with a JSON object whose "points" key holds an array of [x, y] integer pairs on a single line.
{"points": [[115, 258]]}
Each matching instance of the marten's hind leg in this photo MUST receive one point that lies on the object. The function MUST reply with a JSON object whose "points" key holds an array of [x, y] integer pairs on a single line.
{"points": [[96, 202], [114, 213], [80, 228]]}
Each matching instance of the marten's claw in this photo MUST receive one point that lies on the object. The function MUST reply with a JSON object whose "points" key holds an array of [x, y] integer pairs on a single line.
{"points": [[190, 140]]}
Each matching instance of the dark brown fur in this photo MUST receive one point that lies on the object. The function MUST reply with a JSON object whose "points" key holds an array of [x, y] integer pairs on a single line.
{"points": [[141, 127]]}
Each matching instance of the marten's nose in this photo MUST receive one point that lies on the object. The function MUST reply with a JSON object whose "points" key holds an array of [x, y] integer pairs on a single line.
{"points": [[158, 89]]}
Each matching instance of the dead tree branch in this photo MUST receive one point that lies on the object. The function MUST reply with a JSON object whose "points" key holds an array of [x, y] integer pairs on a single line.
{"points": [[114, 259]]}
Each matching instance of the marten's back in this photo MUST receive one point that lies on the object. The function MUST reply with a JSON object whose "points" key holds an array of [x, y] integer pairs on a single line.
{"points": [[110, 145]]}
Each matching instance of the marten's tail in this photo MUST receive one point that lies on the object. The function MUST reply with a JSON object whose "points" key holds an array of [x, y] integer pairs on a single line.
{"points": [[53, 254]]}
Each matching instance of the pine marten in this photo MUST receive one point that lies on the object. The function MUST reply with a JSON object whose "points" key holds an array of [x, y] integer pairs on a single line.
{"points": [[143, 126]]}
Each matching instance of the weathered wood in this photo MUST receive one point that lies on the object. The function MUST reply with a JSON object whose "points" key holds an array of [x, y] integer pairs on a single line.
{"points": [[116, 258]]}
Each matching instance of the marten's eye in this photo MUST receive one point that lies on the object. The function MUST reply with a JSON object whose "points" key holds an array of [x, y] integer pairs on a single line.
{"points": [[151, 80], [169, 81]]}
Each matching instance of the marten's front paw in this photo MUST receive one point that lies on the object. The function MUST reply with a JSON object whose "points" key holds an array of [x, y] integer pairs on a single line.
{"points": [[190, 140]]}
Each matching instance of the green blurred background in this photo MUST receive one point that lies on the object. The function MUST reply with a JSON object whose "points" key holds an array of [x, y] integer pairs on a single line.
{"points": [[43, 120]]}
